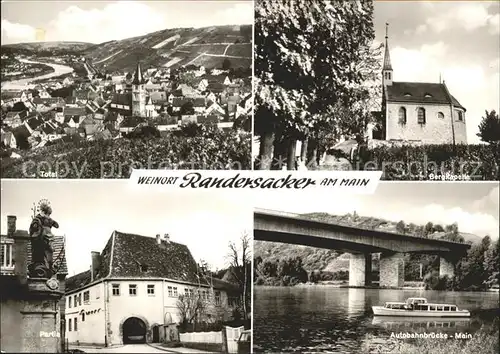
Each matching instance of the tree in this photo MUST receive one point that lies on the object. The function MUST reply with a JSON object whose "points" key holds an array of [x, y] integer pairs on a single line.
{"points": [[190, 130], [22, 136], [489, 128], [243, 122], [226, 64], [401, 227], [239, 266], [190, 308], [187, 109], [492, 264], [438, 228], [428, 229], [471, 270], [145, 132], [188, 78], [452, 233], [312, 62]]}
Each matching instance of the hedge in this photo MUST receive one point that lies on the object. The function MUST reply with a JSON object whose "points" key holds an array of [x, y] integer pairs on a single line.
{"points": [[479, 162]]}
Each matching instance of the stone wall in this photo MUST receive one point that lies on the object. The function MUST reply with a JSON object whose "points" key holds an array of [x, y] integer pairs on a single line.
{"points": [[359, 269], [10, 333], [30, 307], [435, 130], [391, 270]]}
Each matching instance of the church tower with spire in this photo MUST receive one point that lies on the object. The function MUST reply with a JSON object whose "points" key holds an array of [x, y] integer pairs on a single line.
{"points": [[387, 68], [422, 112], [138, 93]]}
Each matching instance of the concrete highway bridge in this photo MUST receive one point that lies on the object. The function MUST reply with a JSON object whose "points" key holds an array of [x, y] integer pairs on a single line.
{"points": [[360, 243]]}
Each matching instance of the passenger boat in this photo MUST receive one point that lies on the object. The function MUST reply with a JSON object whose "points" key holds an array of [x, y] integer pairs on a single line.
{"points": [[419, 307]]}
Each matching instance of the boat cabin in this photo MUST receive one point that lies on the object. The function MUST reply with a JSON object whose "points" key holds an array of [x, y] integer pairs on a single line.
{"points": [[435, 307], [395, 305], [416, 300]]}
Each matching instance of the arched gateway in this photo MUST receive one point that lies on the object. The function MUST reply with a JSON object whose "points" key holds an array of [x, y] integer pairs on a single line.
{"points": [[134, 331]]}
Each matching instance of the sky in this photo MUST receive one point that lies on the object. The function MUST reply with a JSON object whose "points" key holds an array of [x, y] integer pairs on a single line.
{"points": [[458, 39], [474, 206], [89, 211], [102, 21]]}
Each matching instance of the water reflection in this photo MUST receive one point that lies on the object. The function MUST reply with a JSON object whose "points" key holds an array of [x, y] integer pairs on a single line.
{"points": [[328, 319], [405, 323], [356, 302]]}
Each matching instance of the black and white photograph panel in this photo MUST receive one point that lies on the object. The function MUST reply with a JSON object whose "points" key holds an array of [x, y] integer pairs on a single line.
{"points": [[99, 267], [412, 268], [407, 87], [92, 89]]}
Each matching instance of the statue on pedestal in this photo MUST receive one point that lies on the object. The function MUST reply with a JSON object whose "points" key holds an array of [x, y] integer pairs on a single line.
{"points": [[41, 242]]}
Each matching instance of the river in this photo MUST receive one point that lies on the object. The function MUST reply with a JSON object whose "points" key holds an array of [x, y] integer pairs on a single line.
{"points": [[22, 84], [328, 319]]}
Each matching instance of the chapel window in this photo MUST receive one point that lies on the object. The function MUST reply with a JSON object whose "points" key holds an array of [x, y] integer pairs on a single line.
{"points": [[421, 115], [402, 115]]}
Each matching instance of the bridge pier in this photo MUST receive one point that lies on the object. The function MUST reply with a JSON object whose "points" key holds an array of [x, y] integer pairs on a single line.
{"points": [[360, 269], [392, 270], [446, 267]]}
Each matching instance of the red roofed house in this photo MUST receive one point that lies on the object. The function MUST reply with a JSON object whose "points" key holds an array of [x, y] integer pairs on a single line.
{"points": [[416, 111], [131, 291]]}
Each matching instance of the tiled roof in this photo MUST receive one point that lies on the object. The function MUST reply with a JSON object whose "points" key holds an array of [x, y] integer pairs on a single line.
{"points": [[420, 92], [186, 89], [136, 256], [59, 255], [208, 119], [89, 120], [199, 102], [179, 101], [111, 117], [74, 111], [20, 132], [215, 87], [78, 280], [158, 96], [177, 93], [215, 78], [122, 98], [34, 122], [168, 260], [48, 100], [48, 129], [224, 285]]}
